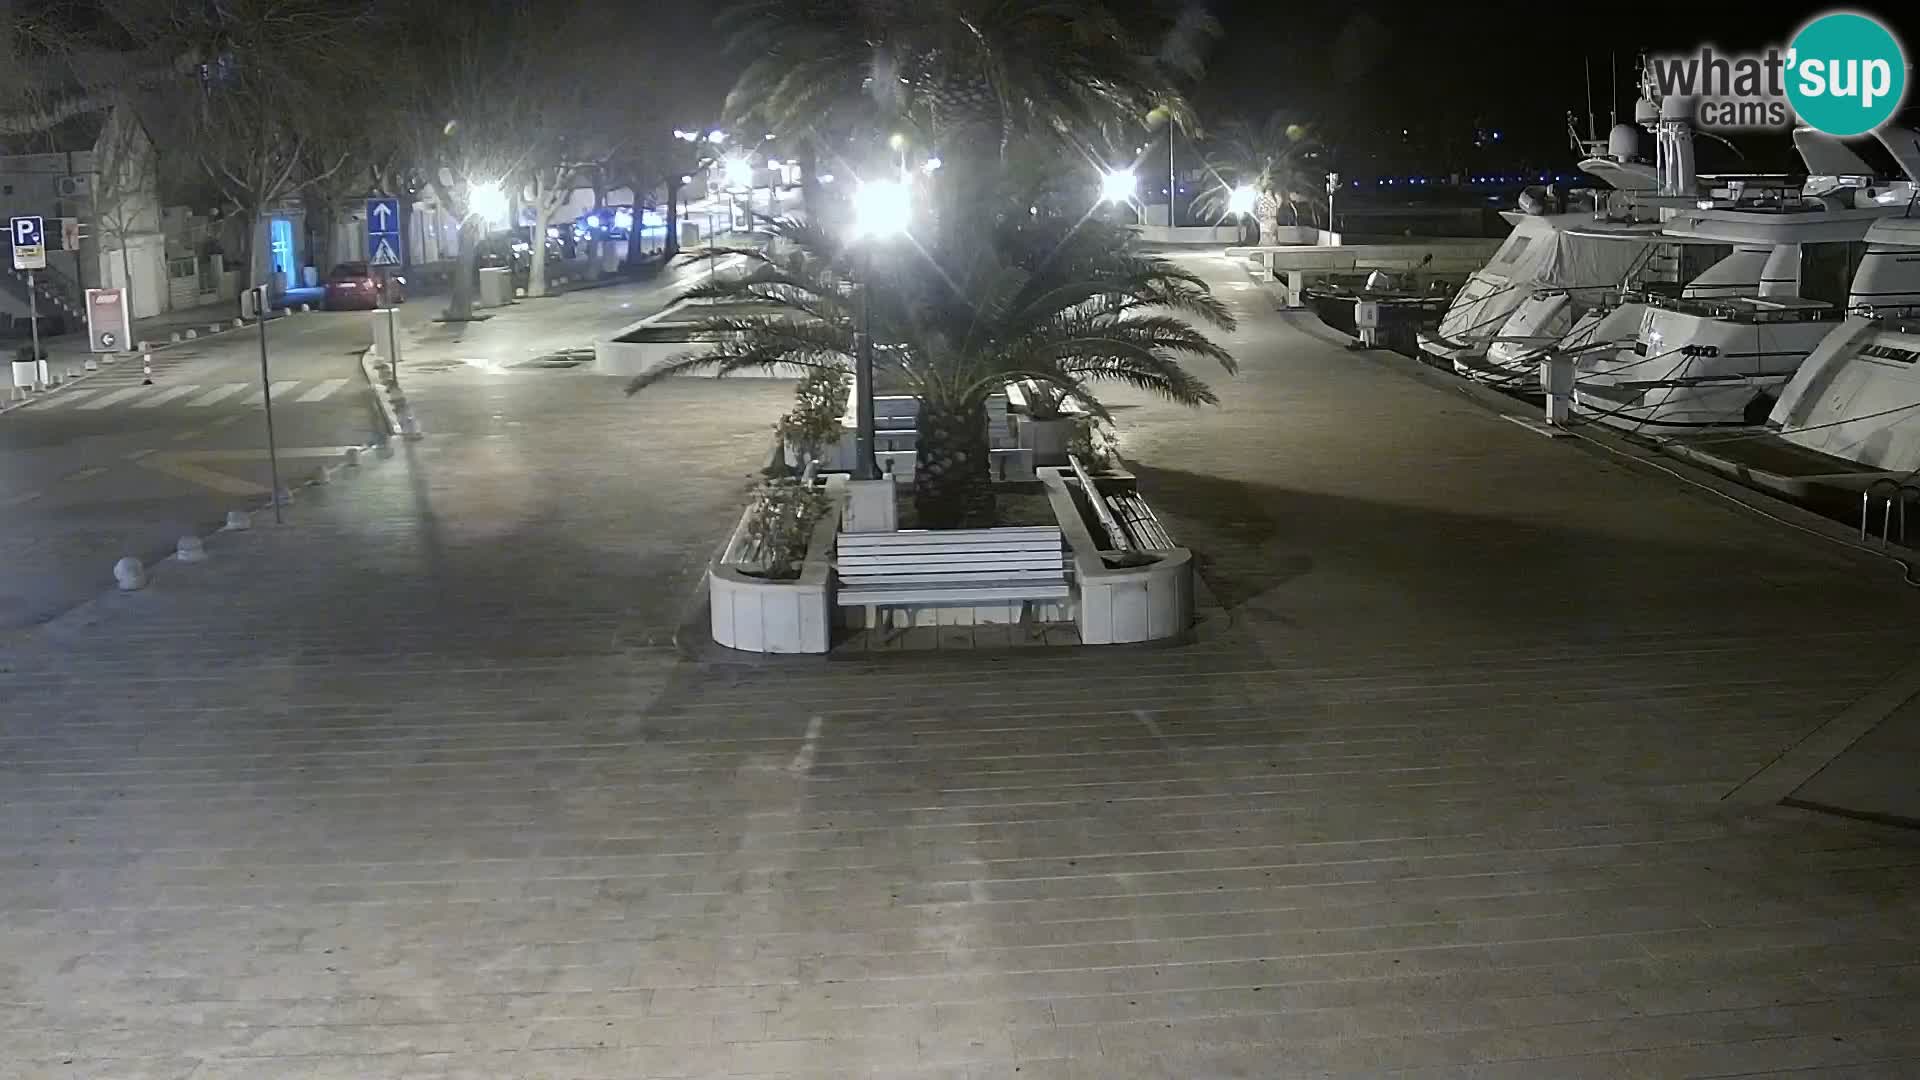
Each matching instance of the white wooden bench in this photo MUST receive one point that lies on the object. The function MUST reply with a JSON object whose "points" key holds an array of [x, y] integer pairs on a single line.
{"points": [[922, 567]]}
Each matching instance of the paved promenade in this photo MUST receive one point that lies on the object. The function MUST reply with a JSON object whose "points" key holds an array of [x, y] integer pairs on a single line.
{"points": [[1460, 784]]}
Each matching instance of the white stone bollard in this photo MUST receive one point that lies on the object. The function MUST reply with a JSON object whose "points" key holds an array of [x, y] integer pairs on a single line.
{"points": [[239, 520], [238, 323], [322, 475], [91, 364], [130, 574], [213, 328], [173, 338], [353, 457], [190, 549], [192, 334]]}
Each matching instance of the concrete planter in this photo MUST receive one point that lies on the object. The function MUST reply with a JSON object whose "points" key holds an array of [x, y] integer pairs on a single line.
{"points": [[755, 614], [664, 335], [1047, 439], [1115, 605]]}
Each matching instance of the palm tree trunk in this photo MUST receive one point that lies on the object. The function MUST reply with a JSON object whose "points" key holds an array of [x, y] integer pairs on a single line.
{"points": [[952, 487]]}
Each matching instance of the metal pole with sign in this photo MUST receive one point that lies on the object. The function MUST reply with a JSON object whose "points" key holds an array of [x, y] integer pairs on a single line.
{"points": [[266, 399], [30, 254]]}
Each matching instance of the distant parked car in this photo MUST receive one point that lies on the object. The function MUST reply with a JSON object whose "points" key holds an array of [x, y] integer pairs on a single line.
{"points": [[509, 248], [356, 286]]}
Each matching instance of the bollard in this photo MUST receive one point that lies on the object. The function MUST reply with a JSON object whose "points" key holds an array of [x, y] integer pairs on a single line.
{"points": [[353, 457], [322, 476], [129, 574], [91, 364], [239, 520], [192, 334], [238, 323], [213, 328], [283, 497], [173, 338], [146, 370], [190, 549]]}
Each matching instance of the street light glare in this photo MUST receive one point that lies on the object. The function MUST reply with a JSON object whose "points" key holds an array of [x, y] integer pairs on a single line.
{"points": [[930, 166], [739, 172], [1117, 185], [1241, 200], [488, 202], [881, 208], [716, 137]]}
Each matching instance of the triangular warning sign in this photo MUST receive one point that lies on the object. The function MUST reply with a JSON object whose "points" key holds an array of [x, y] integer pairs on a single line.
{"points": [[384, 255]]}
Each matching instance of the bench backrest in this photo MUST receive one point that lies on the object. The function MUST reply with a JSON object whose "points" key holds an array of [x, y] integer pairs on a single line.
{"points": [[1025, 551]]}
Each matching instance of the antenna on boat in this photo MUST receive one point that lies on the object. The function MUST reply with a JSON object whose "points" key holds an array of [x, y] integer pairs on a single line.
{"points": [[1613, 99], [1587, 62]]}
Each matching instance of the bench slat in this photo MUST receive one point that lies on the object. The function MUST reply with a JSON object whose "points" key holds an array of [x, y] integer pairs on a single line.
{"points": [[886, 596], [909, 577], [948, 536]]}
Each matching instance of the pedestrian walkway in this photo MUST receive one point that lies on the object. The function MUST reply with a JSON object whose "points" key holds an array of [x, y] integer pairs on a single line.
{"points": [[143, 395], [420, 786]]}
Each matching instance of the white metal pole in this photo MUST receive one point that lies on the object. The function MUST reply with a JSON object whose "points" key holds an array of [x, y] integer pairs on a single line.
{"points": [[33, 318]]}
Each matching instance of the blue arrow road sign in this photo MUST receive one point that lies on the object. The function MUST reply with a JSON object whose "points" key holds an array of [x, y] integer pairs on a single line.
{"points": [[383, 232]]}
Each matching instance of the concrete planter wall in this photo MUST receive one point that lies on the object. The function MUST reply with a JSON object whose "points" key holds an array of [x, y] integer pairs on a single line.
{"points": [[754, 614], [658, 338], [1118, 605], [1047, 439]]}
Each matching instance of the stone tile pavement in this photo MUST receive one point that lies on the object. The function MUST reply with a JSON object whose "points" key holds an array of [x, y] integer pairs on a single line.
{"points": [[419, 786]]}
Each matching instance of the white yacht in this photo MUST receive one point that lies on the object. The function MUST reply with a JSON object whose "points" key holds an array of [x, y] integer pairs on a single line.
{"points": [[1577, 254], [1700, 362], [1857, 397]]}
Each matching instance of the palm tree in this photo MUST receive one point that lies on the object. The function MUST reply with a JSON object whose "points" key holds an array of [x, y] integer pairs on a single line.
{"points": [[1274, 158], [1010, 68], [1021, 296]]}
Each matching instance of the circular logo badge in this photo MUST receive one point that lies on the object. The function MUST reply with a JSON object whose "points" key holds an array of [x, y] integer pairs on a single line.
{"points": [[1846, 74]]}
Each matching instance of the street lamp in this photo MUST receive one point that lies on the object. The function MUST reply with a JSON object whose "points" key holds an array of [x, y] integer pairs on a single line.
{"points": [[1242, 199], [1118, 185], [488, 202], [882, 209]]}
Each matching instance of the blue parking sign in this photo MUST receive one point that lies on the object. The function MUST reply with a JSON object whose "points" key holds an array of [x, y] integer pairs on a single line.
{"points": [[29, 243]]}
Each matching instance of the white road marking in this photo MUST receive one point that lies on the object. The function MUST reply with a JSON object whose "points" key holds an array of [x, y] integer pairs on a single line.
{"points": [[116, 397], [323, 391], [166, 395], [58, 401], [17, 500], [274, 391], [211, 396]]}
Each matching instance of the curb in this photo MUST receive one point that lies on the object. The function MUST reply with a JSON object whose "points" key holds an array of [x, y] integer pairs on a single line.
{"points": [[388, 396]]}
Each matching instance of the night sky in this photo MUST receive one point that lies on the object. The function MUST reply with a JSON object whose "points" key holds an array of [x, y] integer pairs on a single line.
{"points": [[1363, 72]]}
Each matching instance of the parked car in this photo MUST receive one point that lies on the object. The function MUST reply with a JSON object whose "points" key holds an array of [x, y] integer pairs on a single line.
{"points": [[357, 286], [509, 248]]}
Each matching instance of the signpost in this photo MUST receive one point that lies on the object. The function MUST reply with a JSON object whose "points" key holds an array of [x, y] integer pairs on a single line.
{"points": [[266, 400], [383, 232], [30, 254], [108, 324]]}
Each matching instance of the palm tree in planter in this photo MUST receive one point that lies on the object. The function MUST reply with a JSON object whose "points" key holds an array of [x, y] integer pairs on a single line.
{"points": [[1018, 296], [1275, 159]]}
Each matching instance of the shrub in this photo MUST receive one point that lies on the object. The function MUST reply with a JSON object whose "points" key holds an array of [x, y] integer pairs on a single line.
{"points": [[780, 523]]}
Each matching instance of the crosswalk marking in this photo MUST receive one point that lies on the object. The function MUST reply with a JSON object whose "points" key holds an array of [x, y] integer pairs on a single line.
{"points": [[215, 394], [115, 396], [166, 395], [273, 391], [62, 400], [323, 391]]}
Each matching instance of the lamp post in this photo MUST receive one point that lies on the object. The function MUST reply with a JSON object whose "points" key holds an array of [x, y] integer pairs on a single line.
{"points": [[881, 210]]}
